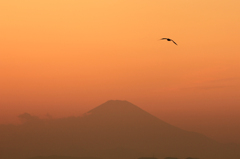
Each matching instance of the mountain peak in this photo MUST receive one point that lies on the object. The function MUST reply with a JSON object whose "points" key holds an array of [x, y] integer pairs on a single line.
{"points": [[124, 113], [116, 102], [116, 107]]}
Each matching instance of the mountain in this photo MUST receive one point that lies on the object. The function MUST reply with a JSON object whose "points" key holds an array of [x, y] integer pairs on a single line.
{"points": [[116, 129]]}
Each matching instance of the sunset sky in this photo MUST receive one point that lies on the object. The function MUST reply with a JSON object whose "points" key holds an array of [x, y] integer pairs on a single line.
{"points": [[65, 57]]}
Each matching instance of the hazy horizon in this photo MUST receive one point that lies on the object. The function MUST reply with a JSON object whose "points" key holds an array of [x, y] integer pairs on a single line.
{"points": [[25, 117], [115, 129], [213, 132]]}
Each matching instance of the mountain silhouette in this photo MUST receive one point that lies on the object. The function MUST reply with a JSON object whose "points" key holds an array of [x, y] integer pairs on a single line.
{"points": [[115, 129], [122, 124]]}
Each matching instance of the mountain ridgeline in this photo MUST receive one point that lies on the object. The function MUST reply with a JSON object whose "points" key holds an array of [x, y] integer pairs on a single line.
{"points": [[114, 130]]}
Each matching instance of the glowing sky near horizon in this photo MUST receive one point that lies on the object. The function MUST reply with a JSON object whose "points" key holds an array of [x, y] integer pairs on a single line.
{"points": [[65, 57]]}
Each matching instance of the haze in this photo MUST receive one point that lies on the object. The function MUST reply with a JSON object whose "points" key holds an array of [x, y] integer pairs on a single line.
{"points": [[113, 130], [65, 57]]}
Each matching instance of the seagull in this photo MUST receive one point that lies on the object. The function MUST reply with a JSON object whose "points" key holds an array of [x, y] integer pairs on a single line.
{"points": [[168, 40]]}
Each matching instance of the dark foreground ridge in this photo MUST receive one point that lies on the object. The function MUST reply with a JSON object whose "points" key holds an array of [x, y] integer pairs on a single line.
{"points": [[114, 130], [68, 157], [62, 157]]}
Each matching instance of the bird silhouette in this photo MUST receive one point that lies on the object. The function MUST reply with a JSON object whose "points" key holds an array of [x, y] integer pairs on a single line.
{"points": [[169, 40]]}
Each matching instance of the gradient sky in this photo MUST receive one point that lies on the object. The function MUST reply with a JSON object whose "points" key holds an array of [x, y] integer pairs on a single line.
{"points": [[65, 57]]}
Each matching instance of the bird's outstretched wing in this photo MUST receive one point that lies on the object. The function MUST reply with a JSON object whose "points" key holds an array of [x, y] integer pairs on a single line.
{"points": [[163, 38], [174, 42]]}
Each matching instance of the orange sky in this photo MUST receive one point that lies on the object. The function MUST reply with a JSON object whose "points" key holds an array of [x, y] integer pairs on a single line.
{"points": [[65, 57]]}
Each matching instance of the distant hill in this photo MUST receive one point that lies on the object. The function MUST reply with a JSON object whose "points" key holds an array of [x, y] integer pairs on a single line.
{"points": [[114, 130]]}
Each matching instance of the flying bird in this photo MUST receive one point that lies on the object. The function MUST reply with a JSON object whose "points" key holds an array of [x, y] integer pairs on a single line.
{"points": [[168, 40]]}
